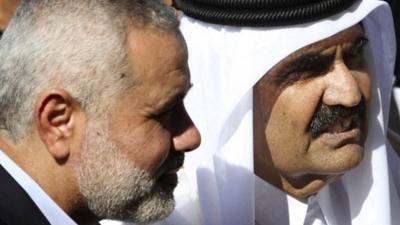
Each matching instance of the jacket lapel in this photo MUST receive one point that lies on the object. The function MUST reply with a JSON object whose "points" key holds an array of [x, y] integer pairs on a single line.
{"points": [[16, 207]]}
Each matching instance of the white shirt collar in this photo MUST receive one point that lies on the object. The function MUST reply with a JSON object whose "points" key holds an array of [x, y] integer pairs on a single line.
{"points": [[53, 213]]}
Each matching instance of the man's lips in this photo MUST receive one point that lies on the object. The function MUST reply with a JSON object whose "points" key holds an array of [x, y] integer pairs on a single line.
{"points": [[342, 131], [167, 175], [342, 125], [337, 140], [174, 169], [172, 164]]}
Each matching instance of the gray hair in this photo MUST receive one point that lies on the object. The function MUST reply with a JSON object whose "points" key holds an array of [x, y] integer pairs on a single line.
{"points": [[79, 46]]}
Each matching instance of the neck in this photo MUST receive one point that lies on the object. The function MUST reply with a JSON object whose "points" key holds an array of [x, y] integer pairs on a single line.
{"points": [[56, 178]]}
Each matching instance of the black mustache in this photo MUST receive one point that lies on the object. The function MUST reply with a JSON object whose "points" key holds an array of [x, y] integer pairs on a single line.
{"points": [[327, 115], [173, 161]]}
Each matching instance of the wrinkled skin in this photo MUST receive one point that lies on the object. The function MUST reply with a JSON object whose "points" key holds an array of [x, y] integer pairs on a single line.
{"points": [[130, 159], [310, 114]]}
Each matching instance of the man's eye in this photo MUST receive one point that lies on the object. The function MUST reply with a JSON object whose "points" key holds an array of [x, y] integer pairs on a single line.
{"points": [[354, 56], [312, 64], [357, 49], [167, 113], [355, 62], [314, 68], [308, 65]]}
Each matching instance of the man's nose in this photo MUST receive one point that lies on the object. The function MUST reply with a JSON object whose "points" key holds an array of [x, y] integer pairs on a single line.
{"points": [[342, 87], [188, 137]]}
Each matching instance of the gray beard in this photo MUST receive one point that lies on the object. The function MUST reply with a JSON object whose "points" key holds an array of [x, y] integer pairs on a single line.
{"points": [[114, 187]]}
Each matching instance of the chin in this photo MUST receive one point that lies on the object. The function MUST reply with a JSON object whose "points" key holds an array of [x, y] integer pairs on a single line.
{"points": [[152, 208], [349, 157], [311, 187], [325, 160]]}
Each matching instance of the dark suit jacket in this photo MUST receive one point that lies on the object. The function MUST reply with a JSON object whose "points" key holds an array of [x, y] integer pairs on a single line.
{"points": [[16, 207]]}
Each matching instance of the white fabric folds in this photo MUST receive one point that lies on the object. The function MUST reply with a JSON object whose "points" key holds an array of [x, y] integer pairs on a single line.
{"points": [[225, 63]]}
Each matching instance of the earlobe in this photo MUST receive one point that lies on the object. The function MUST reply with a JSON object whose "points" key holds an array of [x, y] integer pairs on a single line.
{"points": [[54, 120]]}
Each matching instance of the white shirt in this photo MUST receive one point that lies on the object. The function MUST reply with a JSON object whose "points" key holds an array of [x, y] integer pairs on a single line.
{"points": [[53, 213], [274, 206]]}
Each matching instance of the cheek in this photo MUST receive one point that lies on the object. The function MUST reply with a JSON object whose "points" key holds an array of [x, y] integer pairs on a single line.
{"points": [[146, 144], [287, 128]]}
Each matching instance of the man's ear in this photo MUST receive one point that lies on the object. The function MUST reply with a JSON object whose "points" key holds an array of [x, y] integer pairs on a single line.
{"points": [[55, 118]]}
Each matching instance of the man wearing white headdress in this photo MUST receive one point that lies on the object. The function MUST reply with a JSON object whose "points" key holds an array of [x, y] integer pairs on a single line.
{"points": [[343, 179]]}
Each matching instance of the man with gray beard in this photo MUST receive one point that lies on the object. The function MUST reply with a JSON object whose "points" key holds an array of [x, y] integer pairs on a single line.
{"points": [[92, 123]]}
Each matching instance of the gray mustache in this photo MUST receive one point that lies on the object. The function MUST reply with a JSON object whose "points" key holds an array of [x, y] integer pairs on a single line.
{"points": [[327, 115]]}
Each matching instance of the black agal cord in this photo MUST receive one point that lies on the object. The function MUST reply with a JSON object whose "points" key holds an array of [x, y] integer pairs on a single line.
{"points": [[256, 13]]}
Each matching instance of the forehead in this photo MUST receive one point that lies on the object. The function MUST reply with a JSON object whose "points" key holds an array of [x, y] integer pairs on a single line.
{"points": [[158, 62], [148, 48]]}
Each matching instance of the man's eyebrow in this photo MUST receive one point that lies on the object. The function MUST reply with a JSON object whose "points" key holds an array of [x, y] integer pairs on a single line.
{"points": [[310, 61], [315, 61]]}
